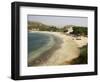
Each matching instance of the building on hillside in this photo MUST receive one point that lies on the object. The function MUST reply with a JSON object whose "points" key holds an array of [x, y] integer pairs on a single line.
{"points": [[68, 30]]}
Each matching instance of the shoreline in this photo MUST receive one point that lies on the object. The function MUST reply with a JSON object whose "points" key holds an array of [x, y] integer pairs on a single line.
{"points": [[61, 54], [44, 56]]}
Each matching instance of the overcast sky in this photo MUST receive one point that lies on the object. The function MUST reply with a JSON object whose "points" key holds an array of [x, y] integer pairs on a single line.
{"points": [[59, 21]]}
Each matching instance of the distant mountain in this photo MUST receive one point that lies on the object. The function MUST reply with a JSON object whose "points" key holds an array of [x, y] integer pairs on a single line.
{"points": [[37, 25]]}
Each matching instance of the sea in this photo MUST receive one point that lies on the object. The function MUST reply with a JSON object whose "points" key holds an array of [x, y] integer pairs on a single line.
{"points": [[39, 43]]}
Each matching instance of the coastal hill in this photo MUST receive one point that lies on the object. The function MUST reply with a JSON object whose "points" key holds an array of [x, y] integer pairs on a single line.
{"points": [[68, 29], [36, 26]]}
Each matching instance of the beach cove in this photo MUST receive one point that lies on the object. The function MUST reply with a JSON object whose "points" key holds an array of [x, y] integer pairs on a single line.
{"points": [[63, 50]]}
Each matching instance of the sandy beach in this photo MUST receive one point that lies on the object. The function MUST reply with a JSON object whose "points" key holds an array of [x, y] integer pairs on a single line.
{"points": [[63, 52]]}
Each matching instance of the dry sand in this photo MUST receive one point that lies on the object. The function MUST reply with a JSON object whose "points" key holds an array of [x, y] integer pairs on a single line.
{"points": [[66, 53]]}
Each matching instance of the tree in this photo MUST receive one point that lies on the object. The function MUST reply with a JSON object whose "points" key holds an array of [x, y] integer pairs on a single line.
{"points": [[79, 30]]}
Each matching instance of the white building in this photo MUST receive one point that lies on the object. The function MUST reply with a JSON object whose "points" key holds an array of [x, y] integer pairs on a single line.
{"points": [[70, 29]]}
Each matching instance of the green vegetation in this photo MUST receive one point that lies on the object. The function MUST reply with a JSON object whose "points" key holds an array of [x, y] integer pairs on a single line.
{"points": [[83, 58], [77, 30]]}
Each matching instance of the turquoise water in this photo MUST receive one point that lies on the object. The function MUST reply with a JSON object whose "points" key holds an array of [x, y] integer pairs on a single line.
{"points": [[38, 43]]}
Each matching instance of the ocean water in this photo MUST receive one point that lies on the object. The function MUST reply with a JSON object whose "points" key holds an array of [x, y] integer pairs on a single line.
{"points": [[39, 43], [36, 41]]}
